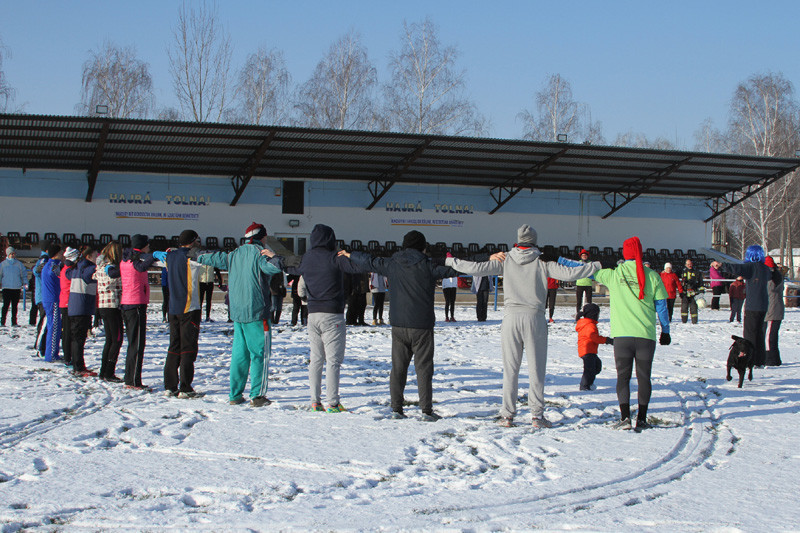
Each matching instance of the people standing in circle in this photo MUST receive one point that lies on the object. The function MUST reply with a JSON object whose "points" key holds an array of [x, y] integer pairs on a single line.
{"points": [[41, 326], [692, 284], [378, 286], [589, 340], [51, 292], [717, 287], [164, 294], [109, 295], [552, 294], [482, 286], [637, 298], [673, 285], [277, 290], [299, 306], [71, 256], [12, 279], [583, 287], [775, 313], [450, 291], [207, 277], [737, 295], [82, 304]]}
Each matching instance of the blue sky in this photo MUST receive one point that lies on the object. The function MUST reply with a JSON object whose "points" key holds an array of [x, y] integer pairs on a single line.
{"points": [[659, 68]]}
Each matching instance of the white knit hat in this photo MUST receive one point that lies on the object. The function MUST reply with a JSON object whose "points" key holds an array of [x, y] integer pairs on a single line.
{"points": [[71, 254], [10, 250], [667, 265]]}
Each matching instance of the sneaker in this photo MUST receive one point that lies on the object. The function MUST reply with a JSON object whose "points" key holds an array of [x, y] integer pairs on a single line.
{"points": [[541, 422], [338, 408], [260, 401], [398, 415], [113, 379], [86, 373], [624, 424], [641, 425], [430, 417], [170, 393], [237, 401], [452, 319], [317, 407], [381, 322], [505, 421], [138, 387], [374, 322], [188, 395], [551, 321]]}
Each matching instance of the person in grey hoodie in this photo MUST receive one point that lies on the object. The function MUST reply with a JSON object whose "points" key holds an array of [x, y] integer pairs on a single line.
{"points": [[775, 312], [524, 323]]}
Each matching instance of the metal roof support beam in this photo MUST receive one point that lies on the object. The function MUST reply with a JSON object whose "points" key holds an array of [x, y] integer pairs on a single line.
{"points": [[240, 180], [733, 198], [91, 175], [628, 193], [380, 186], [513, 185]]}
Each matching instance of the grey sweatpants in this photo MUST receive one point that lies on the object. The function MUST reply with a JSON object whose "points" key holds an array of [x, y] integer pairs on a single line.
{"points": [[628, 350], [326, 335], [524, 330]]}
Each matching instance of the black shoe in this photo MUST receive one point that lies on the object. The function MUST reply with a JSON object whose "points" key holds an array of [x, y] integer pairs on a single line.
{"points": [[260, 401], [112, 379], [641, 425], [430, 417], [398, 415]]}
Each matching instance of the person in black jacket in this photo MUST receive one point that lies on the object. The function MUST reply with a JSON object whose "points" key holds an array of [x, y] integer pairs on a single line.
{"points": [[692, 283], [323, 270], [413, 278], [757, 276]]}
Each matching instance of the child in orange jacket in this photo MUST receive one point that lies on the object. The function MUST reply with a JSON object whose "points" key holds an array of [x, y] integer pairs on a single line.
{"points": [[588, 341]]}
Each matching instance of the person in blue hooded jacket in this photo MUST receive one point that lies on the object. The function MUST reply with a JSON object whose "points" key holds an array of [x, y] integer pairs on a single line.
{"points": [[40, 345], [51, 291], [250, 268], [757, 276], [81, 308], [323, 272]]}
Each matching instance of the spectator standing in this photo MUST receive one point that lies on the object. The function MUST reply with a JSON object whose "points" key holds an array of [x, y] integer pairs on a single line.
{"points": [[109, 295], [164, 294], [450, 291], [378, 286], [41, 325], [692, 285], [673, 285], [552, 294], [12, 279], [737, 295], [717, 287], [482, 286], [277, 290], [207, 275], [184, 316], [51, 292], [583, 286], [299, 307]]}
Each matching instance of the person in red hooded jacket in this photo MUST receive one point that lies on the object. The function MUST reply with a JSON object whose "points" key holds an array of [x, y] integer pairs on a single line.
{"points": [[552, 292], [673, 285]]}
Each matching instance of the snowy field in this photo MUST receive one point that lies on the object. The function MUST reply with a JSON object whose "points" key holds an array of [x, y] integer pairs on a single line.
{"points": [[84, 455]]}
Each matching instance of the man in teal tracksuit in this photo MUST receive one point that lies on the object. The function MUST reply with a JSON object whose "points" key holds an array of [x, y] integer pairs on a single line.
{"points": [[250, 268]]}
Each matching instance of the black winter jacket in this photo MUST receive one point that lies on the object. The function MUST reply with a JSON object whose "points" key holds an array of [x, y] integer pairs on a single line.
{"points": [[322, 271], [757, 276], [412, 283]]}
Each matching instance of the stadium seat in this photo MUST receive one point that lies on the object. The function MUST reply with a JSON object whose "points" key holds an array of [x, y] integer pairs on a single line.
{"points": [[563, 250], [502, 247], [473, 248], [242, 241], [229, 243], [356, 246], [691, 253], [174, 241], [105, 238], [212, 243], [374, 247], [458, 250], [52, 238], [159, 243], [14, 238], [577, 250], [124, 240], [594, 250], [32, 238], [550, 250], [390, 247], [608, 250], [339, 244], [87, 238], [490, 248]]}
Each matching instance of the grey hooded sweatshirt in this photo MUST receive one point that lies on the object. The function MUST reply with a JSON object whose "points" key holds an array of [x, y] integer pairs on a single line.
{"points": [[524, 276]]}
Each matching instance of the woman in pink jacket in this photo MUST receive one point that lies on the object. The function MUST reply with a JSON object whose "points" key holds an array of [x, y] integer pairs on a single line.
{"points": [[717, 287]]}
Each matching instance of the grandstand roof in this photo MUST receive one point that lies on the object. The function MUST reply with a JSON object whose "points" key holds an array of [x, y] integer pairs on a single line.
{"points": [[380, 159]]}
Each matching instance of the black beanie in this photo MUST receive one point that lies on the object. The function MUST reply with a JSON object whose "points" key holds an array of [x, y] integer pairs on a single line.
{"points": [[590, 311], [139, 241], [414, 239], [187, 236]]}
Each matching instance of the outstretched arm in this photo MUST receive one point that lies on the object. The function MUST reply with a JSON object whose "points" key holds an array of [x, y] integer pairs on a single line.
{"points": [[571, 271], [493, 267]]}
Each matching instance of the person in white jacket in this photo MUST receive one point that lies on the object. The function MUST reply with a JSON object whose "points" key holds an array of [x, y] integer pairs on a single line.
{"points": [[524, 323]]}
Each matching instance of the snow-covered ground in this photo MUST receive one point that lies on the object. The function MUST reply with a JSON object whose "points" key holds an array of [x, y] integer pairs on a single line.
{"points": [[81, 454]]}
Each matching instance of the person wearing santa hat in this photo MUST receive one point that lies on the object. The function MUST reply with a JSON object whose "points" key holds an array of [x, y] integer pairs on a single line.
{"points": [[250, 268], [637, 297]]}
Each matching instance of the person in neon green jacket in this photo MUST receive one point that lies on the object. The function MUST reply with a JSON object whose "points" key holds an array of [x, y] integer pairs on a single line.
{"points": [[637, 297], [250, 268]]}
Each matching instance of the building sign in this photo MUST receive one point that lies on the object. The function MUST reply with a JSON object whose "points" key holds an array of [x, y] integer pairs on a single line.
{"points": [[171, 199], [427, 222], [406, 207], [157, 215]]}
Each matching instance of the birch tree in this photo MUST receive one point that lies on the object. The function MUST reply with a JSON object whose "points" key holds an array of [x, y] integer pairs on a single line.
{"points": [[6, 91], [114, 77], [558, 113], [640, 140], [340, 92], [200, 63], [426, 91], [263, 86]]}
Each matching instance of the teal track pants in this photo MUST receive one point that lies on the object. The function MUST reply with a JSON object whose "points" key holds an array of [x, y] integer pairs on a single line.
{"points": [[252, 345]]}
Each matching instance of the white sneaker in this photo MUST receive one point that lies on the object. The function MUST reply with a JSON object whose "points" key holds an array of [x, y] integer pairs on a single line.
{"points": [[624, 424], [541, 423]]}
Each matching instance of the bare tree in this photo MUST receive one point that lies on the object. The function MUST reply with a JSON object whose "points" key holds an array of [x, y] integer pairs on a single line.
{"points": [[709, 139], [263, 87], [6, 91], [763, 122], [114, 77], [339, 94], [557, 113], [426, 92], [200, 59], [640, 140]]}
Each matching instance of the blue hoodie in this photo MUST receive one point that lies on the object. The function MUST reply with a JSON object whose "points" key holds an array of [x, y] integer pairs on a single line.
{"points": [[51, 282], [82, 289], [323, 270]]}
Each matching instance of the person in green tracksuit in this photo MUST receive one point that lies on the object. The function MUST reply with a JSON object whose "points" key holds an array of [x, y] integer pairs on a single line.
{"points": [[250, 268], [583, 287]]}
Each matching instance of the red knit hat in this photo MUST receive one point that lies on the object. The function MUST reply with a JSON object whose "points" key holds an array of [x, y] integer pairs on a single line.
{"points": [[255, 232], [632, 249], [769, 262], [584, 251]]}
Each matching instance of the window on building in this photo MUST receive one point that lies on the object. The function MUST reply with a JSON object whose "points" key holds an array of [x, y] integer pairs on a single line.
{"points": [[293, 197]]}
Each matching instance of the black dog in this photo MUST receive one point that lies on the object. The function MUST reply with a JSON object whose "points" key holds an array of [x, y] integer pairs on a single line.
{"points": [[741, 358]]}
